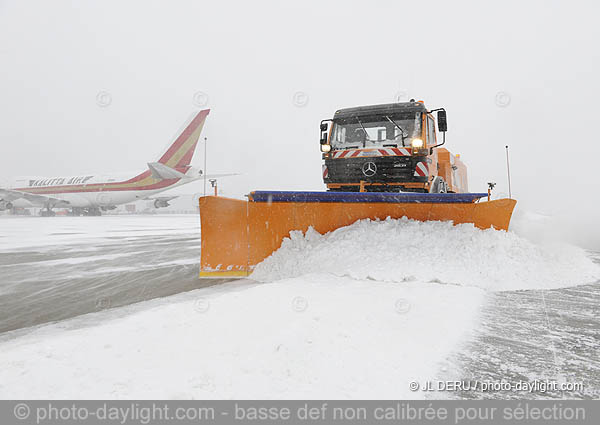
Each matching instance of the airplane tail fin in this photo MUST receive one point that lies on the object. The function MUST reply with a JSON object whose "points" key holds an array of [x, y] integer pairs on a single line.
{"points": [[180, 153]]}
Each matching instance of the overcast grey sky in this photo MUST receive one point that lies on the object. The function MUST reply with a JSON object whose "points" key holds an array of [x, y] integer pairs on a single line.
{"points": [[95, 86]]}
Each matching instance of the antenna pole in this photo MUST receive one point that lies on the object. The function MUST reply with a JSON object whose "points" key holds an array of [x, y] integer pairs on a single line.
{"points": [[508, 172], [205, 139]]}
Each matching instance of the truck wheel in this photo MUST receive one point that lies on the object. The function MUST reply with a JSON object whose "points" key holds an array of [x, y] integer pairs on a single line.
{"points": [[438, 185]]}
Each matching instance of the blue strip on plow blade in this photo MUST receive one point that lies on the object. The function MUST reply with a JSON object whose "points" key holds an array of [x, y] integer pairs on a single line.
{"points": [[357, 197]]}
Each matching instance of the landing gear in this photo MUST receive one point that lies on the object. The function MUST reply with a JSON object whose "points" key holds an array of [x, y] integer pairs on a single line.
{"points": [[47, 213], [95, 212], [78, 212]]}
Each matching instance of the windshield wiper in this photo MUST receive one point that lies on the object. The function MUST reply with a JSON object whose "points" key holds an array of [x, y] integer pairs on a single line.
{"points": [[367, 138], [399, 128]]}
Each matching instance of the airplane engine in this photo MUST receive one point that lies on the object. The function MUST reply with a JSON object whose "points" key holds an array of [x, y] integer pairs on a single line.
{"points": [[5, 205], [159, 203]]}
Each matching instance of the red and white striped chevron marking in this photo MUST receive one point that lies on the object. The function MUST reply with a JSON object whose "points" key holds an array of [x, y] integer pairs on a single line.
{"points": [[356, 153], [421, 170], [325, 172]]}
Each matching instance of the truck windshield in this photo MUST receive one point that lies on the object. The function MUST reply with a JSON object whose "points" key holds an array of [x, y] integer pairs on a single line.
{"points": [[379, 130]]}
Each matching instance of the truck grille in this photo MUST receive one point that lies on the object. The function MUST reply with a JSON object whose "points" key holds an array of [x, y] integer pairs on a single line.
{"points": [[389, 169]]}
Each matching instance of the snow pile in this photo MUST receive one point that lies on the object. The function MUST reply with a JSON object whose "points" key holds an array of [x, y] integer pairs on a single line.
{"points": [[313, 337], [543, 228], [406, 250]]}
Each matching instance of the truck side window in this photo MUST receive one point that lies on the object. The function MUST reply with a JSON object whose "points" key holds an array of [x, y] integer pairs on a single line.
{"points": [[430, 132]]}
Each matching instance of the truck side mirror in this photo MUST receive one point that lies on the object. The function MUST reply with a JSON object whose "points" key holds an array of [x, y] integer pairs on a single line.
{"points": [[324, 135], [442, 122]]}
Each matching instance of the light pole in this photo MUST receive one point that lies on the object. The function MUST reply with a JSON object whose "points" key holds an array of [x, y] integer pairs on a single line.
{"points": [[508, 172], [205, 166]]}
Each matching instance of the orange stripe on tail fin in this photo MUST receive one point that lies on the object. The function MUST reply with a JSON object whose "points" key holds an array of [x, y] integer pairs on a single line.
{"points": [[180, 153]]}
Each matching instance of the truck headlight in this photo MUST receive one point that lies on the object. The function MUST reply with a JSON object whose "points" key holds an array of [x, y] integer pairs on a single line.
{"points": [[325, 148], [417, 143]]}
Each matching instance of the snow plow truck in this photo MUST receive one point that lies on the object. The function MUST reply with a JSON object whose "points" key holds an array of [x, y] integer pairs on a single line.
{"points": [[379, 161], [389, 148]]}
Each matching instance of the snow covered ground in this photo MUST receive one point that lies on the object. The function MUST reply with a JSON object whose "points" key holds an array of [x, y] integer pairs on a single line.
{"points": [[21, 233], [312, 337], [60, 267], [358, 313]]}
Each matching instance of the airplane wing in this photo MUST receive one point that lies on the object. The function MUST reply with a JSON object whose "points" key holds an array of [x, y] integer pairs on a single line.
{"points": [[164, 172], [212, 176], [11, 195], [161, 198]]}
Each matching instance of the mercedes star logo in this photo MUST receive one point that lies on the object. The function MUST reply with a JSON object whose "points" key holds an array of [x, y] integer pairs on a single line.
{"points": [[369, 169]]}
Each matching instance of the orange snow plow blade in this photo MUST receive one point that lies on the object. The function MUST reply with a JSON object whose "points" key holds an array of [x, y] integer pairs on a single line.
{"points": [[237, 235]]}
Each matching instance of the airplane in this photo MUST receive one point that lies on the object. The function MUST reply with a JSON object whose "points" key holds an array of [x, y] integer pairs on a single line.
{"points": [[90, 194]]}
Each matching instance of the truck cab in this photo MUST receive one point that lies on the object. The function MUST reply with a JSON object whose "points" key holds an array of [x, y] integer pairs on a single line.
{"points": [[389, 148]]}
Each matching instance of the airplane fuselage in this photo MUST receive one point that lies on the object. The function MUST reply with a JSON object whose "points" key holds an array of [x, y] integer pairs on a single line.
{"points": [[98, 191], [94, 192]]}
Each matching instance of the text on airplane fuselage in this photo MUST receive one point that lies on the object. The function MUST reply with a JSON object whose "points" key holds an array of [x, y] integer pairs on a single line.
{"points": [[59, 181]]}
